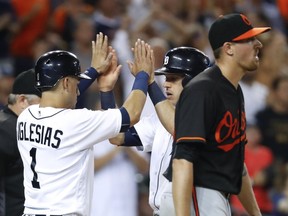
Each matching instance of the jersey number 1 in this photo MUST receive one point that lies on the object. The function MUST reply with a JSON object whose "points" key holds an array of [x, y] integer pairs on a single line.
{"points": [[35, 183]]}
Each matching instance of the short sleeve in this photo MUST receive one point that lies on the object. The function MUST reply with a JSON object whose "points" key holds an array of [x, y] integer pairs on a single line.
{"points": [[194, 113]]}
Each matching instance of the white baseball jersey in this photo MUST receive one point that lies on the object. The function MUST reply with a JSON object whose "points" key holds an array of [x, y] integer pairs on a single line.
{"points": [[157, 139], [56, 146]]}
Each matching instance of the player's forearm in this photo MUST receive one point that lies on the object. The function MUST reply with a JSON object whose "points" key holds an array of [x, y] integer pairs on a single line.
{"points": [[182, 182], [134, 105], [166, 112], [247, 197], [136, 99]]}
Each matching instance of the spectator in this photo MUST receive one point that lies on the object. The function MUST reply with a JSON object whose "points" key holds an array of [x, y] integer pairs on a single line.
{"points": [[258, 159], [32, 19], [273, 120], [255, 94]]}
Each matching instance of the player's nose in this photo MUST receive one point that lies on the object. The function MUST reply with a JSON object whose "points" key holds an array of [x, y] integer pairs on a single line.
{"points": [[166, 84]]}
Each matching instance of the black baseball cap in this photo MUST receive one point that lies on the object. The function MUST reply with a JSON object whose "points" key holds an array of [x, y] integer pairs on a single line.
{"points": [[24, 83], [232, 27]]}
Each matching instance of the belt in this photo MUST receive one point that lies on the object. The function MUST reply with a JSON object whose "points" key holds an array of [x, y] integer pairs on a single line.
{"points": [[225, 194]]}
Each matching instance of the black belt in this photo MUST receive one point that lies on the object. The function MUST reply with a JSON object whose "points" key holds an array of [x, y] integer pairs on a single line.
{"points": [[225, 194]]}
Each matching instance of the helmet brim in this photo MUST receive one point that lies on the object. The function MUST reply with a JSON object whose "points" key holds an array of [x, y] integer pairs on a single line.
{"points": [[161, 71], [170, 71]]}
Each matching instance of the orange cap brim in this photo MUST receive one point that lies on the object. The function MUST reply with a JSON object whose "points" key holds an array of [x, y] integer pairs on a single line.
{"points": [[252, 33]]}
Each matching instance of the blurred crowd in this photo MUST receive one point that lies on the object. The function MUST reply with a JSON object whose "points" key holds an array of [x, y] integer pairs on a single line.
{"points": [[32, 27]]}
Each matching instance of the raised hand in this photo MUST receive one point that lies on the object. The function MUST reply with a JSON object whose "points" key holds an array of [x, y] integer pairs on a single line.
{"points": [[101, 54], [143, 58], [106, 82]]}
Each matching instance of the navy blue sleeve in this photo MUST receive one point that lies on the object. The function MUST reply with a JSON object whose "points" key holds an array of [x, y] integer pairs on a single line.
{"points": [[155, 93], [107, 100], [132, 138], [125, 120], [85, 83]]}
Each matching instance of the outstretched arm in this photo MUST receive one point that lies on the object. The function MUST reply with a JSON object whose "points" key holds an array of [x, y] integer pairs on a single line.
{"points": [[102, 57], [164, 109], [142, 68]]}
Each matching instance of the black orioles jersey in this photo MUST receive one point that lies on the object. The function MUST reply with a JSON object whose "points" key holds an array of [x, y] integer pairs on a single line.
{"points": [[210, 115]]}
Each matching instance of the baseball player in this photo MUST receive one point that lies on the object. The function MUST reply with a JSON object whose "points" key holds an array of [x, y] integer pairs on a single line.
{"points": [[23, 95], [154, 133], [56, 141], [208, 161]]}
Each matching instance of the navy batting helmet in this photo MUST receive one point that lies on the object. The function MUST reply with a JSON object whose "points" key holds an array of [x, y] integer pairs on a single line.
{"points": [[186, 61], [53, 66]]}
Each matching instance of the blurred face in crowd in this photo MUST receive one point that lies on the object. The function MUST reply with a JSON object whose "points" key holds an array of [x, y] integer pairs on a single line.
{"points": [[281, 93]]}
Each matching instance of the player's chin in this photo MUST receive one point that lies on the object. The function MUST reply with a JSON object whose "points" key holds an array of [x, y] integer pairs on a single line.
{"points": [[171, 99]]}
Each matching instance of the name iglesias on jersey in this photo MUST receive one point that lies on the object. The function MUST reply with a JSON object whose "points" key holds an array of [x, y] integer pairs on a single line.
{"points": [[40, 134]]}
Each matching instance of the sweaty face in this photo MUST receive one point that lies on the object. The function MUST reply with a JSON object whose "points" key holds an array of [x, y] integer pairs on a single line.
{"points": [[173, 87]]}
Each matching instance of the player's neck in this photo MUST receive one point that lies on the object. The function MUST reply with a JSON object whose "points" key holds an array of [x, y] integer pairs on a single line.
{"points": [[52, 100], [231, 73]]}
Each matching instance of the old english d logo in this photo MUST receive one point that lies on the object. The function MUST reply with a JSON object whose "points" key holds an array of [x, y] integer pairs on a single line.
{"points": [[228, 132], [166, 60]]}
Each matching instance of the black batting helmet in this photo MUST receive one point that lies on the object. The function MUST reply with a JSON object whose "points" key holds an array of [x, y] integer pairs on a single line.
{"points": [[186, 61], [53, 66]]}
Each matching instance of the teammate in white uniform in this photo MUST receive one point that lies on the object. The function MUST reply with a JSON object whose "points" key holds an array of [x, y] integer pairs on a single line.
{"points": [[153, 133], [56, 141]]}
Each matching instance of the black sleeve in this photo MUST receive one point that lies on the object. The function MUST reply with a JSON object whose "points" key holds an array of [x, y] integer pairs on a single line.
{"points": [[187, 151], [194, 115]]}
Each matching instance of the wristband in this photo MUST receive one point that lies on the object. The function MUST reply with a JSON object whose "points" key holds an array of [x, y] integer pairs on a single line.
{"points": [[107, 100], [85, 83], [141, 82], [155, 93], [92, 72], [125, 120], [131, 138]]}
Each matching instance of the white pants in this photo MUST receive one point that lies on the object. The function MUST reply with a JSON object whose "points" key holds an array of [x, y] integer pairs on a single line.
{"points": [[210, 203]]}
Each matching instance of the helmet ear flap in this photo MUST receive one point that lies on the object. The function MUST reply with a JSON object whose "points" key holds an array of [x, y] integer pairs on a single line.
{"points": [[186, 79]]}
